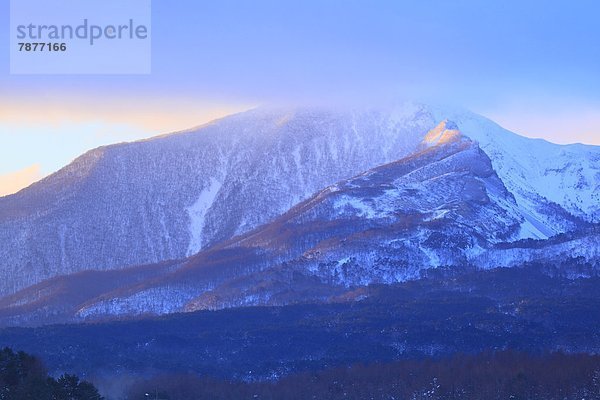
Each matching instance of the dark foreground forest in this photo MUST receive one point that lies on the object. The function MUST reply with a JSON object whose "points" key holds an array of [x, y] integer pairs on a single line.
{"points": [[24, 377], [504, 375], [501, 375]]}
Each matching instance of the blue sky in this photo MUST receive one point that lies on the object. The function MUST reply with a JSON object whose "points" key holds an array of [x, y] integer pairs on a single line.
{"points": [[533, 66]]}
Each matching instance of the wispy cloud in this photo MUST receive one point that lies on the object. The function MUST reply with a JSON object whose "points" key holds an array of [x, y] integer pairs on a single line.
{"points": [[153, 114]]}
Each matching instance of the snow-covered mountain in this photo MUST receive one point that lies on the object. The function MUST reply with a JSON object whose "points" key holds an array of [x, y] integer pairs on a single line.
{"points": [[538, 173], [169, 197], [443, 205]]}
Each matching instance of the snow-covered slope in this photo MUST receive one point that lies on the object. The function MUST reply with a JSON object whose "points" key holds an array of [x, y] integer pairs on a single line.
{"points": [[169, 197], [538, 173], [443, 205]]}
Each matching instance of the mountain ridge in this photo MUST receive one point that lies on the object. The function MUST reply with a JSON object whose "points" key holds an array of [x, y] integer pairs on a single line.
{"points": [[164, 199], [447, 207]]}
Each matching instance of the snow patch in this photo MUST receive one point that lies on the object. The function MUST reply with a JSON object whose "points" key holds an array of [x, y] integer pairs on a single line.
{"points": [[434, 260], [362, 209], [437, 214], [157, 300], [197, 213]]}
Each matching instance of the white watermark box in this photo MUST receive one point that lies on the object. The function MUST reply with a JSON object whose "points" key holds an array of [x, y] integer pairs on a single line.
{"points": [[80, 36]]}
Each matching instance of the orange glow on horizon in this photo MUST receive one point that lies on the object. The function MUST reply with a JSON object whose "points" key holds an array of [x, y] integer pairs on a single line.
{"points": [[15, 181], [156, 116], [120, 119]]}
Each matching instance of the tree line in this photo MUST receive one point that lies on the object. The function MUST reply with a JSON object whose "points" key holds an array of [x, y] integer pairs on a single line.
{"points": [[485, 376]]}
